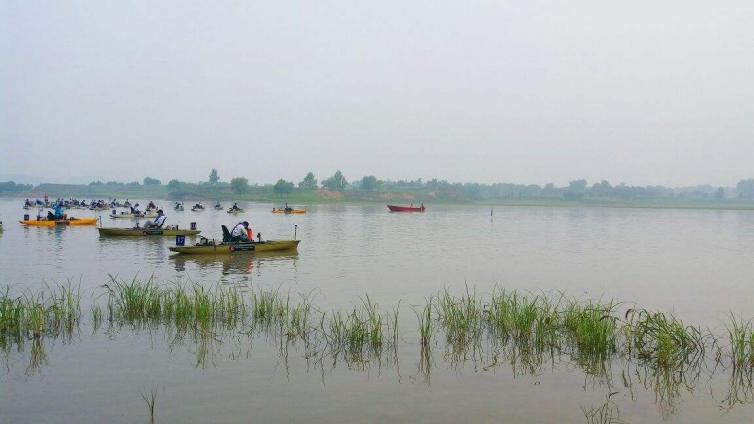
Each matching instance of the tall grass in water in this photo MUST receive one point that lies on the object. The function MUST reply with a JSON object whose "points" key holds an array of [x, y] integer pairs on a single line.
{"points": [[358, 333], [741, 338], [592, 327], [663, 340], [607, 413], [460, 317], [53, 311]]}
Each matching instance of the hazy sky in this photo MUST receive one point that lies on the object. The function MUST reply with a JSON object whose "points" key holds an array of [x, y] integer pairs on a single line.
{"points": [[646, 92]]}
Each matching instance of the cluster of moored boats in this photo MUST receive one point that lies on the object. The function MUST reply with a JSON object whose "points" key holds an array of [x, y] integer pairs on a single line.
{"points": [[227, 245]]}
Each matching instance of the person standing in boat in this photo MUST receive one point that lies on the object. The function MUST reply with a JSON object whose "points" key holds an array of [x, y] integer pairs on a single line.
{"points": [[240, 232], [159, 220]]}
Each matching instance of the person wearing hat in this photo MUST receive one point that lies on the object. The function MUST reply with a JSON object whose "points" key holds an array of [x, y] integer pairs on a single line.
{"points": [[241, 232], [159, 220]]}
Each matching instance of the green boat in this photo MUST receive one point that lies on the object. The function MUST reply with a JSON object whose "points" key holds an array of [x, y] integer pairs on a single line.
{"points": [[208, 247], [141, 232]]}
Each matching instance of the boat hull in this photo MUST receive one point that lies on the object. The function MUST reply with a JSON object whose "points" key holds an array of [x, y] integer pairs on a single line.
{"points": [[71, 222], [238, 248], [293, 212], [144, 232], [394, 208]]}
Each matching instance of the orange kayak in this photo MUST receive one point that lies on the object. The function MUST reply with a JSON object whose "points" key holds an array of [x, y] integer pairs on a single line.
{"points": [[72, 221]]}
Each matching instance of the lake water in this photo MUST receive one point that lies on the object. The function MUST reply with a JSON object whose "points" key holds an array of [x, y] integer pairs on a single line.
{"points": [[698, 264]]}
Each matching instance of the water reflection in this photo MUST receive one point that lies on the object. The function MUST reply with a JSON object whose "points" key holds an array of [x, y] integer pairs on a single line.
{"points": [[230, 265]]}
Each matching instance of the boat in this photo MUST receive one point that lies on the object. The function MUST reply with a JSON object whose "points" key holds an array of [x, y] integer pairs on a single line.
{"points": [[218, 206], [210, 247], [44, 222], [129, 215], [411, 208], [178, 206], [289, 211], [235, 211], [197, 207], [141, 231]]}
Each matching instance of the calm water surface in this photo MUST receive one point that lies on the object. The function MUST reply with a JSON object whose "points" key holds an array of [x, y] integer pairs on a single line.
{"points": [[697, 264]]}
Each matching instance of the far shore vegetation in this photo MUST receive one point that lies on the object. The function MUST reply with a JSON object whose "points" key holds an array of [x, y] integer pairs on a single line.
{"points": [[337, 188]]}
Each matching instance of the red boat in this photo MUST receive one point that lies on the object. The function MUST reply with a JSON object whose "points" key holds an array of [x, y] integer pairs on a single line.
{"points": [[411, 208]]}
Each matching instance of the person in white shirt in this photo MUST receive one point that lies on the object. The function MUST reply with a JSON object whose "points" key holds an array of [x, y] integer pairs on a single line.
{"points": [[239, 232], [159, 220]]}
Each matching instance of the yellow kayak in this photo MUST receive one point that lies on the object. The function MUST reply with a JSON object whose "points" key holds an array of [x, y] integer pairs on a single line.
{"points": [[229, 248], [43, 222], [289, 212]]}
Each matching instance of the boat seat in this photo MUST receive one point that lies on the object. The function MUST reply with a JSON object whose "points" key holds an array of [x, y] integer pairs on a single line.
{"points": [[226, 234]]}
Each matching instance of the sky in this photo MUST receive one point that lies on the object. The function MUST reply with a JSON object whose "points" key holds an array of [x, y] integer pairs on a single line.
{"points": [[524, 91]]}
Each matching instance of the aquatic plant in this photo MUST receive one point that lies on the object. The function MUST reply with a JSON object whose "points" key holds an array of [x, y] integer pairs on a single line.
{"points": [[741, 338], [52, 311], [663, 339], [592, 327], [607, 413]]}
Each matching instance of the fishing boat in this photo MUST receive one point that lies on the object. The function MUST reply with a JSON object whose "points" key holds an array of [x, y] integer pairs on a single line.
{"points": [[211, 247], [289, 211], [44, 222], [411, 208], [129, 215], [170, 231]]}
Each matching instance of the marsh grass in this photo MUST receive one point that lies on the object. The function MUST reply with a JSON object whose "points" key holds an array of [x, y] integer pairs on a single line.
{"points": [[663, 340], [592, 327], [527, 330], [53, 311], [358, 334], [607, 413], [741, 339]]}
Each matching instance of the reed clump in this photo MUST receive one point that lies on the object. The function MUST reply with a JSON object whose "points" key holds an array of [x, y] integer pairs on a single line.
{"points": [[663, 340], [194, 306], [53, 311], [741, 339], [358, 333], [592, 327]]}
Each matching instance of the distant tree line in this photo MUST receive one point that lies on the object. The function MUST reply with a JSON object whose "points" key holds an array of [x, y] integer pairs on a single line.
{"points": [[368, 185], [12, 187]]}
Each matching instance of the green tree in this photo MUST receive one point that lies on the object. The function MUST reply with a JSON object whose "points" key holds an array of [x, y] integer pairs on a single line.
{"points": [[283, 187], [720, 193], [745, 189], [240, 185], [370, 183], [309, 182], [577, 186], [214, 178], [335, 183], [148, 181]]}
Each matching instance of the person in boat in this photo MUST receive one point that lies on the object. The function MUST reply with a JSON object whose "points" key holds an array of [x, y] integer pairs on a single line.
{"points": [[235, 207], [218, 205], [158, 222], [288, 209], [240, 232], [151, 206], [59, 213]]}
